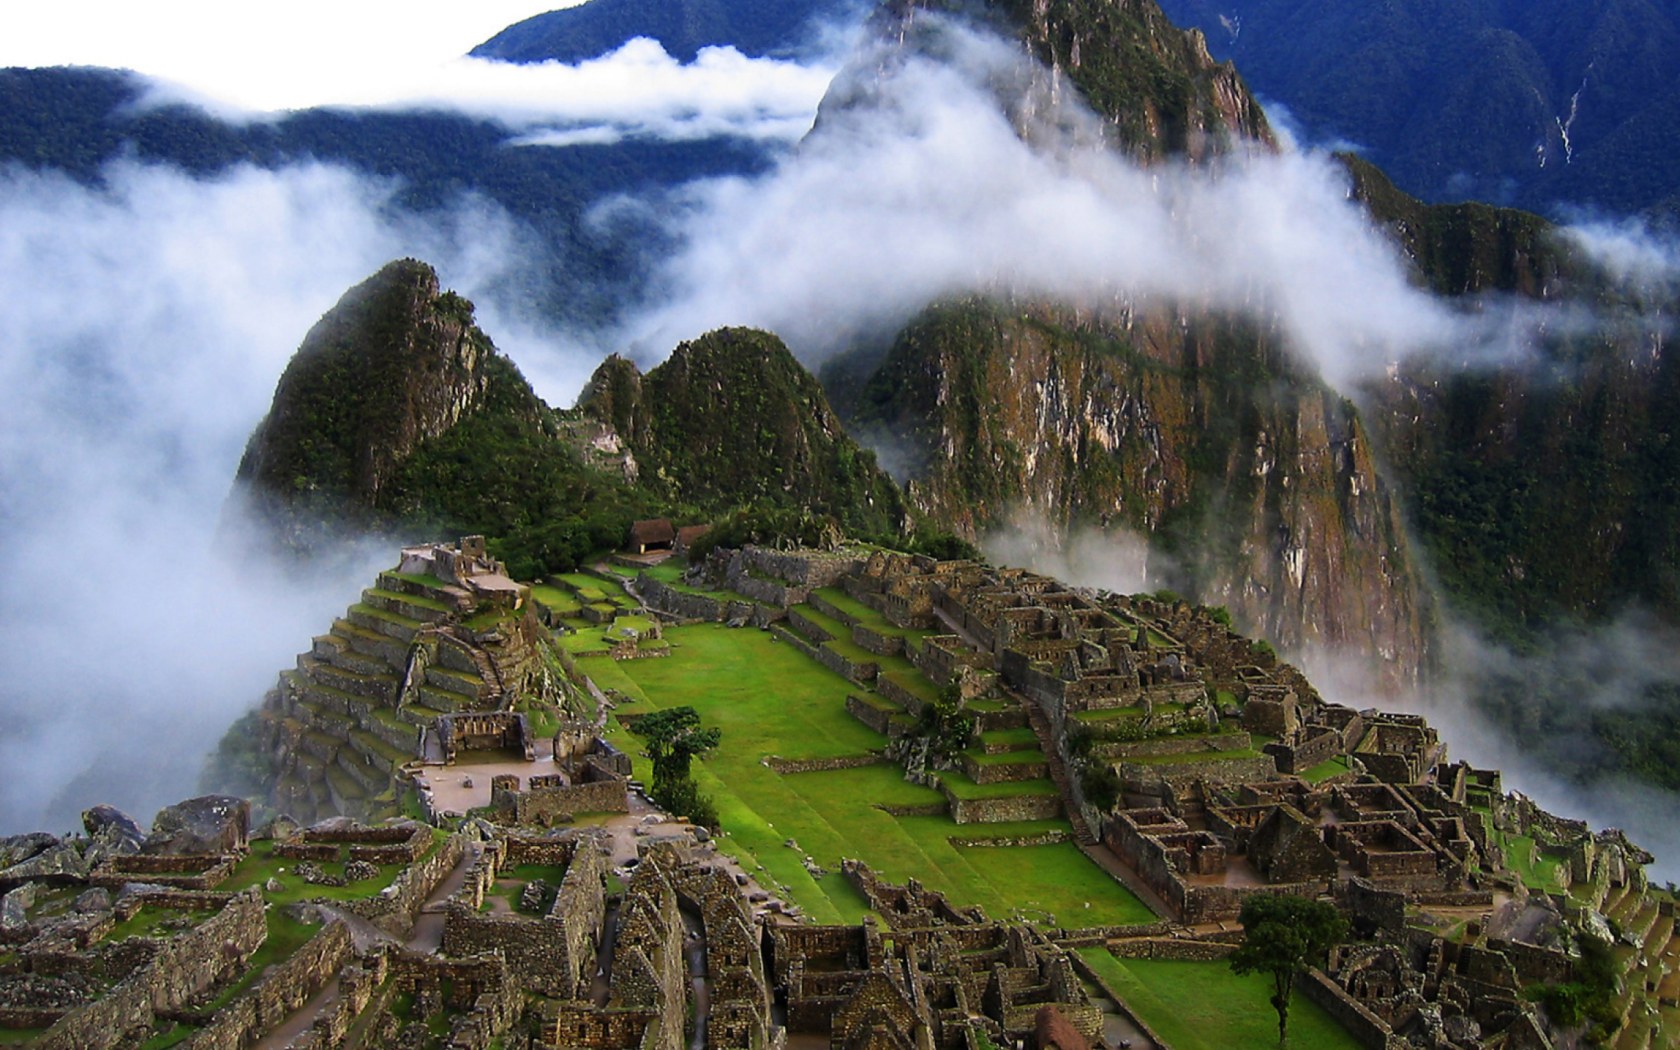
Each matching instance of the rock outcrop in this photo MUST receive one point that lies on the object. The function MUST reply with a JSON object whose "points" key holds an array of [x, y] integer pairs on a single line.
{"points": [[1197, 432], [1158, 90], [397, 361]]}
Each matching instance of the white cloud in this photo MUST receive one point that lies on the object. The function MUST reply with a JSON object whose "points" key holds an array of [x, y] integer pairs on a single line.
{"points": [[413, 56], [142, 331], [927, 189]]}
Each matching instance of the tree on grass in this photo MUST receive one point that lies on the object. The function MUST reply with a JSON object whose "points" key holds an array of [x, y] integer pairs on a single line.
{"points": [[674, 736], [1284, 936]]}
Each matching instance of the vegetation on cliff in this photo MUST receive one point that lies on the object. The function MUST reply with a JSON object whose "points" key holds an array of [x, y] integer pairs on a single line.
{"points": [[1157, 89], [1250, 476], [732, 419], [397, 411], [1529, 103]]}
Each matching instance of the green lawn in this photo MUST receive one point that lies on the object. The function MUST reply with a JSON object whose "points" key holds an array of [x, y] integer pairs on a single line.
{"points": [[867, 617], [1204, 1006], [1325, 770], [1023, 738], [668, 571], [585, 582], [1538, 872], [769, 699], [562, 603]]}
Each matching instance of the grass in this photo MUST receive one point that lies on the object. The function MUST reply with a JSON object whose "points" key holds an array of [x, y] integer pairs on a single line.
{"points": [[561, 602], [1538, 871], [962, 787], [1023, 738], [867, 617], [1325, 770], [668, 571], [1007, 758], [144, 923], [768, 698], [1204, 1006], [585, 582]]}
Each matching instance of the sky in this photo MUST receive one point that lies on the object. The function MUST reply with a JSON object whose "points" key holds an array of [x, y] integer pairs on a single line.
{"points": [[266, 56]]}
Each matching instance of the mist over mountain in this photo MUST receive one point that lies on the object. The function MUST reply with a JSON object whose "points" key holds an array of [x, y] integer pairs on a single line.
{"points": [[682, 27], [1536, 104]]}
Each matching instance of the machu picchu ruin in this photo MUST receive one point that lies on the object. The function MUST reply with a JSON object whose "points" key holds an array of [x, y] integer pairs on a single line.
{"points": [[456, 847]]}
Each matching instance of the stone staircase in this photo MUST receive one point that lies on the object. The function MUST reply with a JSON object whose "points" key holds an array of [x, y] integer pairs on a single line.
{"points": [[1058, 772]]}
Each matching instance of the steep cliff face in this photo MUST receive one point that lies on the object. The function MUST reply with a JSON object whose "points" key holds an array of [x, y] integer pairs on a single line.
{"points": [[1545, 489], [397, 413], [733, 419], [1199, 432], [1194, 430], [395, 362], [1158, 90]]}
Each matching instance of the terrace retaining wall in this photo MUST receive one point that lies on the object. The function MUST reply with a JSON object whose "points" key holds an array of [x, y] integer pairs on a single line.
{"points": [[1371, 1031], [275, 997], [185, 965]]}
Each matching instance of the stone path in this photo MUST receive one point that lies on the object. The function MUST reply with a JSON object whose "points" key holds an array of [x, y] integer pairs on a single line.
{"points": [[425, 936]]}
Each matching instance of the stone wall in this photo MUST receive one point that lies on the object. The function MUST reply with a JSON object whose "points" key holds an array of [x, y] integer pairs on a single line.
{"points": [[1003, 772], [1170, 745], [393, 910], [185, 965], [818, 765], [1299, 759], [604, 792], [276, 996], [1365, 1026], [1212, 770], [186, 873], [554, 954], [876, 718], [1002, 810], [660, 595], [803, 568], [1179, 949], [808, 627], [877, 642]]}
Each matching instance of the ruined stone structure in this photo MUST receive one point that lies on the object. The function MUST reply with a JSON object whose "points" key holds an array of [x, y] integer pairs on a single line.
{"points": [[431, 662]]}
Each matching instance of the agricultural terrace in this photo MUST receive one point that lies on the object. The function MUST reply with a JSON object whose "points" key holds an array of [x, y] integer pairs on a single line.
{"points": [[772, 700]]}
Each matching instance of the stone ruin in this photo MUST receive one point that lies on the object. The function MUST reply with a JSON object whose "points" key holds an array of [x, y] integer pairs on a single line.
{"points": [[431, 663], [1232, 777]]}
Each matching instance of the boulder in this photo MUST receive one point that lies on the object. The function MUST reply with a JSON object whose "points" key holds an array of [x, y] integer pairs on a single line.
{"points": [[19, 848], [208, 824], [14, 907], [59, 863], [118, 832], [96, 899], [278, 829]]}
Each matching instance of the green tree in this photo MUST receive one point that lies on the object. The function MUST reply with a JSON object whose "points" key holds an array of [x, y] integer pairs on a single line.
{"points": [[1284, 936], [946, 724], [674, 736]]}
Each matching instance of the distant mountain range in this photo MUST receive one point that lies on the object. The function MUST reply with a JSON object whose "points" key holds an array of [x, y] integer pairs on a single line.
{"points": [[1531, 103], [753, 27]]}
